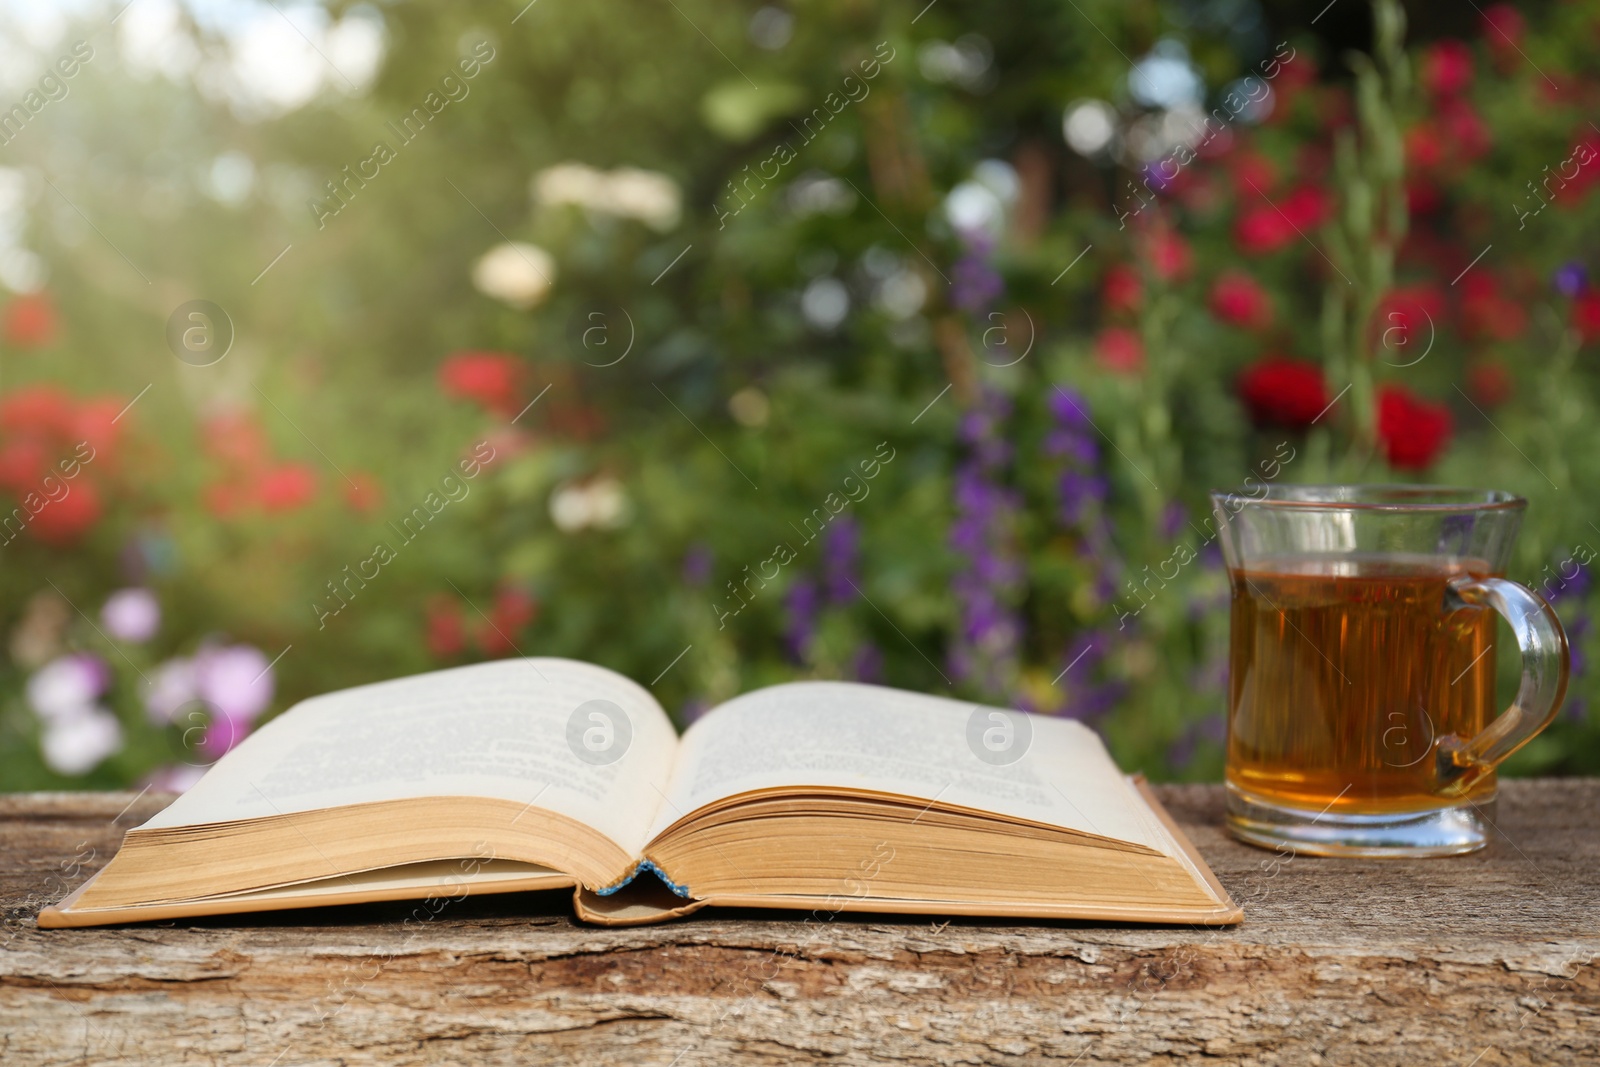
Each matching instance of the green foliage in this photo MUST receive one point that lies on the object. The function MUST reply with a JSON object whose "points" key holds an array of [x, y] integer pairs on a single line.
{"points": [[733, 415]]}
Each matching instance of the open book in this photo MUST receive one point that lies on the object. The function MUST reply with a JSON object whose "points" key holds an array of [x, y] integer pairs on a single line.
{"points": [[550, 773]]}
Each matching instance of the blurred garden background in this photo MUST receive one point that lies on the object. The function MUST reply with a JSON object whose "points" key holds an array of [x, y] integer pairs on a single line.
{"points": [[725, 344]]}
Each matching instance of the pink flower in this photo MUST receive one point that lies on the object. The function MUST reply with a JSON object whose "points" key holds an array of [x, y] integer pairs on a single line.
{"points": [[172, 687], [236, 680], [131, 615]]}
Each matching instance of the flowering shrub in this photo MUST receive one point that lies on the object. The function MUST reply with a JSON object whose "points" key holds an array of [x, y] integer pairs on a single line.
{"points": [[600, 364]]}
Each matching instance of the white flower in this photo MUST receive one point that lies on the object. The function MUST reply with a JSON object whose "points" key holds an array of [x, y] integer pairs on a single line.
{"points": [[646, 195], [75, 743], [902, 294], [601, 503], [517, 273], [175, 778], [569, 183], [649, 196], [66, 686], [172, 687], [825, 303]]}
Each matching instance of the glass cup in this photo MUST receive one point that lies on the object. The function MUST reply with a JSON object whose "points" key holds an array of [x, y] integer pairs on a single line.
{"points": [[1362, 665]]}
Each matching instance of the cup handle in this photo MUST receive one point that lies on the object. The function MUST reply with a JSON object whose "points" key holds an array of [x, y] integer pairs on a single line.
{"points": [[1459, 764]]}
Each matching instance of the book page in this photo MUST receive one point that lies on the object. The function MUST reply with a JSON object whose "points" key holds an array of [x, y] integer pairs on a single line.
{"points": [[847, 735], [551, 733]]}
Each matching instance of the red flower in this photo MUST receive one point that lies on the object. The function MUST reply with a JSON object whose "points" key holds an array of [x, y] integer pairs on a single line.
{"points": [[1121, 289], [1292, 80], [63, 521], [1487, 312], [1424, 147], [1503, 28], [1306, 206], [1261, 228], [1267, 227], [1238, 299], [1447, 68], [1422, 197], [1283, 392], [1254, 175], [447, 636], [1412, 431], [1407, 319], [225, 499], [235, 438], [491, 379], [1489, 383], [1464, 131], [37, 410], [23, 465], [95, 422], [362, 492], [1586, 314], [286, 487], [1119, 350], [30, 321], [1167, 253], [513, 609]]}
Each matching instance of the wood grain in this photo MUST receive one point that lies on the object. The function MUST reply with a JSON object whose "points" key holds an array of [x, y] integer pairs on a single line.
{"points": [[1483, 960]]}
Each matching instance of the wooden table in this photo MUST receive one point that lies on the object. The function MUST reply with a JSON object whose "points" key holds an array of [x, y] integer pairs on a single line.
{"points": [[1480, 960]]}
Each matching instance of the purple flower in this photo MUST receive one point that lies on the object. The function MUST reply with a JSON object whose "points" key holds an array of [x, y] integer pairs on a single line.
{"points": [[1078, 491], [1573, 588], [1212, 728], [988, 583], [1173, 518], [1154, 180], [800, 603], [1570, 278], [975, 285], [1078, 447], [697, 564], [131, 615], [236, 680], [868, 666], [841, 546]]}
